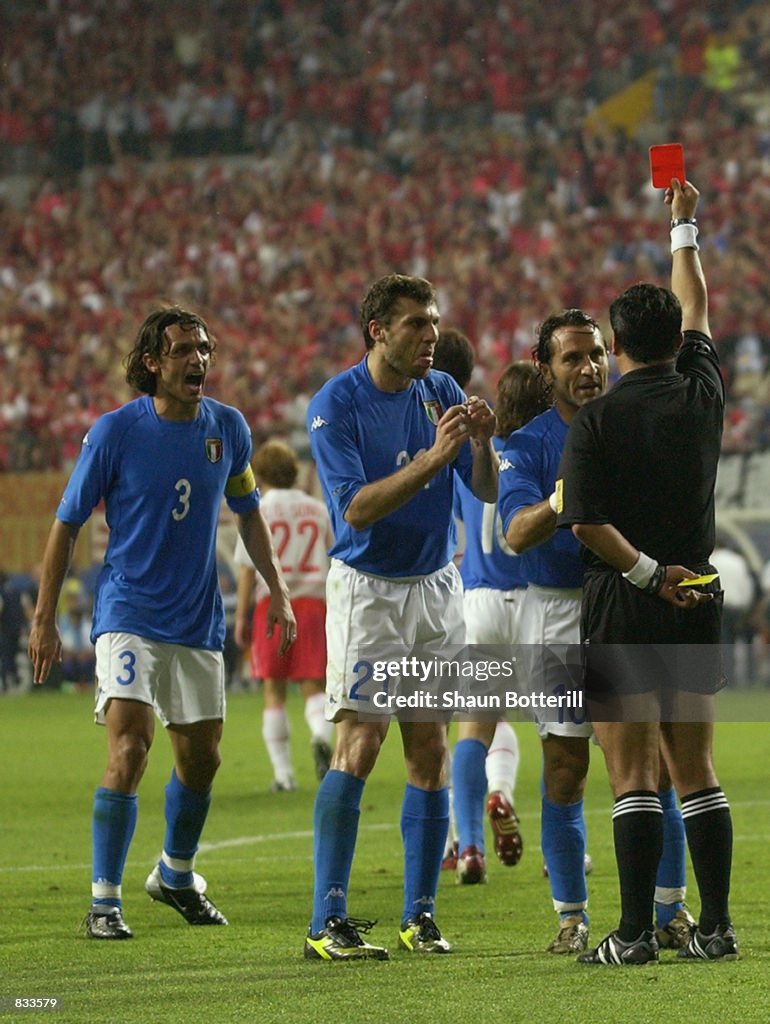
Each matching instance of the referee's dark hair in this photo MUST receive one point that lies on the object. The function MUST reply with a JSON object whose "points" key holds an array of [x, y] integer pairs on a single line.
{"points": [[543, 351], [647, 323]]}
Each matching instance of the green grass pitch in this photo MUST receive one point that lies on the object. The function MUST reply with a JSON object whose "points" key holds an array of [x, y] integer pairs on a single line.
{"points": [[257, 859]]}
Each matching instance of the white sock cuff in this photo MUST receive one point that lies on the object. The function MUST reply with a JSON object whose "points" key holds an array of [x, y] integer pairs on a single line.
{"points": [[176, 864], [103, 890], [669, 896]]}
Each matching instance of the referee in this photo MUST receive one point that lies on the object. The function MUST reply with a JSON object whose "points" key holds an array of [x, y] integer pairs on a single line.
{"points": [[636, 484]]}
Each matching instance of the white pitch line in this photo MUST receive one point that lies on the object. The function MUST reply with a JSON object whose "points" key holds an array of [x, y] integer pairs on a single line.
{"points": [[268, 837]]}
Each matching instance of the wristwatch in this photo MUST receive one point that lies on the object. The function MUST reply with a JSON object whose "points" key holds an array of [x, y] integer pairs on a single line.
{"points": [[683, 220]]}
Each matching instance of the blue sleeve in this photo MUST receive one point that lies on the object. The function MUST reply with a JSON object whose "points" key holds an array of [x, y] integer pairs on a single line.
{"points": [[334, 446], [521, 482], [241, 491], [91, 476]]}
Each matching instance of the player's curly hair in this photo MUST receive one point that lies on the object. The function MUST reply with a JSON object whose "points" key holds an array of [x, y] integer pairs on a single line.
{"points": [[383, 296], [647, 322], [521, 395], [151, 340]]}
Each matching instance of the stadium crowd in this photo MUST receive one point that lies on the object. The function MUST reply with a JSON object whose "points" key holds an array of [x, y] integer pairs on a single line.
{"points": [[262, 162]]}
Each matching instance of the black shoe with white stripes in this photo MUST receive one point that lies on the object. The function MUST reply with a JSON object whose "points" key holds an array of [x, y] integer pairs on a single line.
{"points": [[720, 945], [613, 950]]}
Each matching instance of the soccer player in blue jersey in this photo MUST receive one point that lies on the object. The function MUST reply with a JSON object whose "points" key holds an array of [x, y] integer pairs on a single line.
{"points": [[573, 360], [162, 464], [388, 437], [485, 757]]}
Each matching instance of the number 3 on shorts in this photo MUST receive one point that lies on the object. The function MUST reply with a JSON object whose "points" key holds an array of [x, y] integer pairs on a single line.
{"points": [[128, 675]]}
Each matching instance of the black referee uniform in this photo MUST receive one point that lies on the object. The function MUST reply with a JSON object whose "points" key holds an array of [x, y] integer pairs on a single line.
{"points": [[643, 457]]}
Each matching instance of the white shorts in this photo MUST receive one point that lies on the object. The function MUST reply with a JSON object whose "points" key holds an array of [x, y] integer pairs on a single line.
{"points": [[550, 636], [365, 614], [182, 684], [493, 616]]}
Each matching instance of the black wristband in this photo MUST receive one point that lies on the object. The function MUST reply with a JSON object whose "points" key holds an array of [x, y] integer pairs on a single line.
{"points": [[683, 220], [657, 580]]}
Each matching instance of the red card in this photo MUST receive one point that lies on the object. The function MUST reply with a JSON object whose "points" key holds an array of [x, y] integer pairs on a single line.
{"points": [[666, 162]]}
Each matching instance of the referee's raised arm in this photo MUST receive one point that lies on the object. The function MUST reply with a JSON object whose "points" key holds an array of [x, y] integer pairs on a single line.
{"points": [[688, 282]]}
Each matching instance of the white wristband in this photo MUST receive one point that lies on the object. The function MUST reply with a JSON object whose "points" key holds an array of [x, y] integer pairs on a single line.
{"points": [[552, 501], [642, 571], [683, 236]]}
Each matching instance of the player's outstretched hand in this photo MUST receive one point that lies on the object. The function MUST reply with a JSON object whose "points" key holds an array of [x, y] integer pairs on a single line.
{"points": [[681, 597]]}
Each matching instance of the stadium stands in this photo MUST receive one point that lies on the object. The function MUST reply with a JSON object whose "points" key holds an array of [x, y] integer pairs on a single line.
{"points": [[262, 161]]}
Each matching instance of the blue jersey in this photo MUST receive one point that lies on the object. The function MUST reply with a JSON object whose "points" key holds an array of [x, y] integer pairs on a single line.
{"points": [[487, 561], [358, 435], [528, 471], [162, 482]]}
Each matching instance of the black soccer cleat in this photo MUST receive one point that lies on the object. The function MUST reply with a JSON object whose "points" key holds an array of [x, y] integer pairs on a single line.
{"points": [[422, 935], [106, 923], [340, 940], [192, 903], [614, 951], [720, 945]]}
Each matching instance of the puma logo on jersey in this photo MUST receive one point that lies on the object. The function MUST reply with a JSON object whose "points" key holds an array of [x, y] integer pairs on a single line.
{"points": [[318, 421], [506, 464]]}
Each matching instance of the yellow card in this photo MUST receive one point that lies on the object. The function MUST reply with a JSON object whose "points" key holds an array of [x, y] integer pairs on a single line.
{"points": [[699, 581]]}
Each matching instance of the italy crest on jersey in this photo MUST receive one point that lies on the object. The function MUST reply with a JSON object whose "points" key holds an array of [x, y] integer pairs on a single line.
{"points": [[213, 449], [433, 410]]}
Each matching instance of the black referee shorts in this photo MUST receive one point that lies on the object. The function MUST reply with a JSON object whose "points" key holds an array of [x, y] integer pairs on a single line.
{"points": [[635, 643]]}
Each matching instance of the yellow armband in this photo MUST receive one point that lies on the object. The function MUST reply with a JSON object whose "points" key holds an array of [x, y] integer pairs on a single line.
{"points": [[241, 485]]}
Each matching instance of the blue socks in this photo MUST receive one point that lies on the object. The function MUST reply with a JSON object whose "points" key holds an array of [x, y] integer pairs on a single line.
{"points": [[563, 839], [424, 826], [670, 879], [335, 829], [114, 821], [469, 778], [186, 812]]}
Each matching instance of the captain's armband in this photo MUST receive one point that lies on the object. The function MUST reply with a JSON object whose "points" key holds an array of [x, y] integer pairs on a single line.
{"points": [[241, 485]]}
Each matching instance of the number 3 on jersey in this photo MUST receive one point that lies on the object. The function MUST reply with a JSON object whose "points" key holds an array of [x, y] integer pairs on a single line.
{"points": [[184, 490]]}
